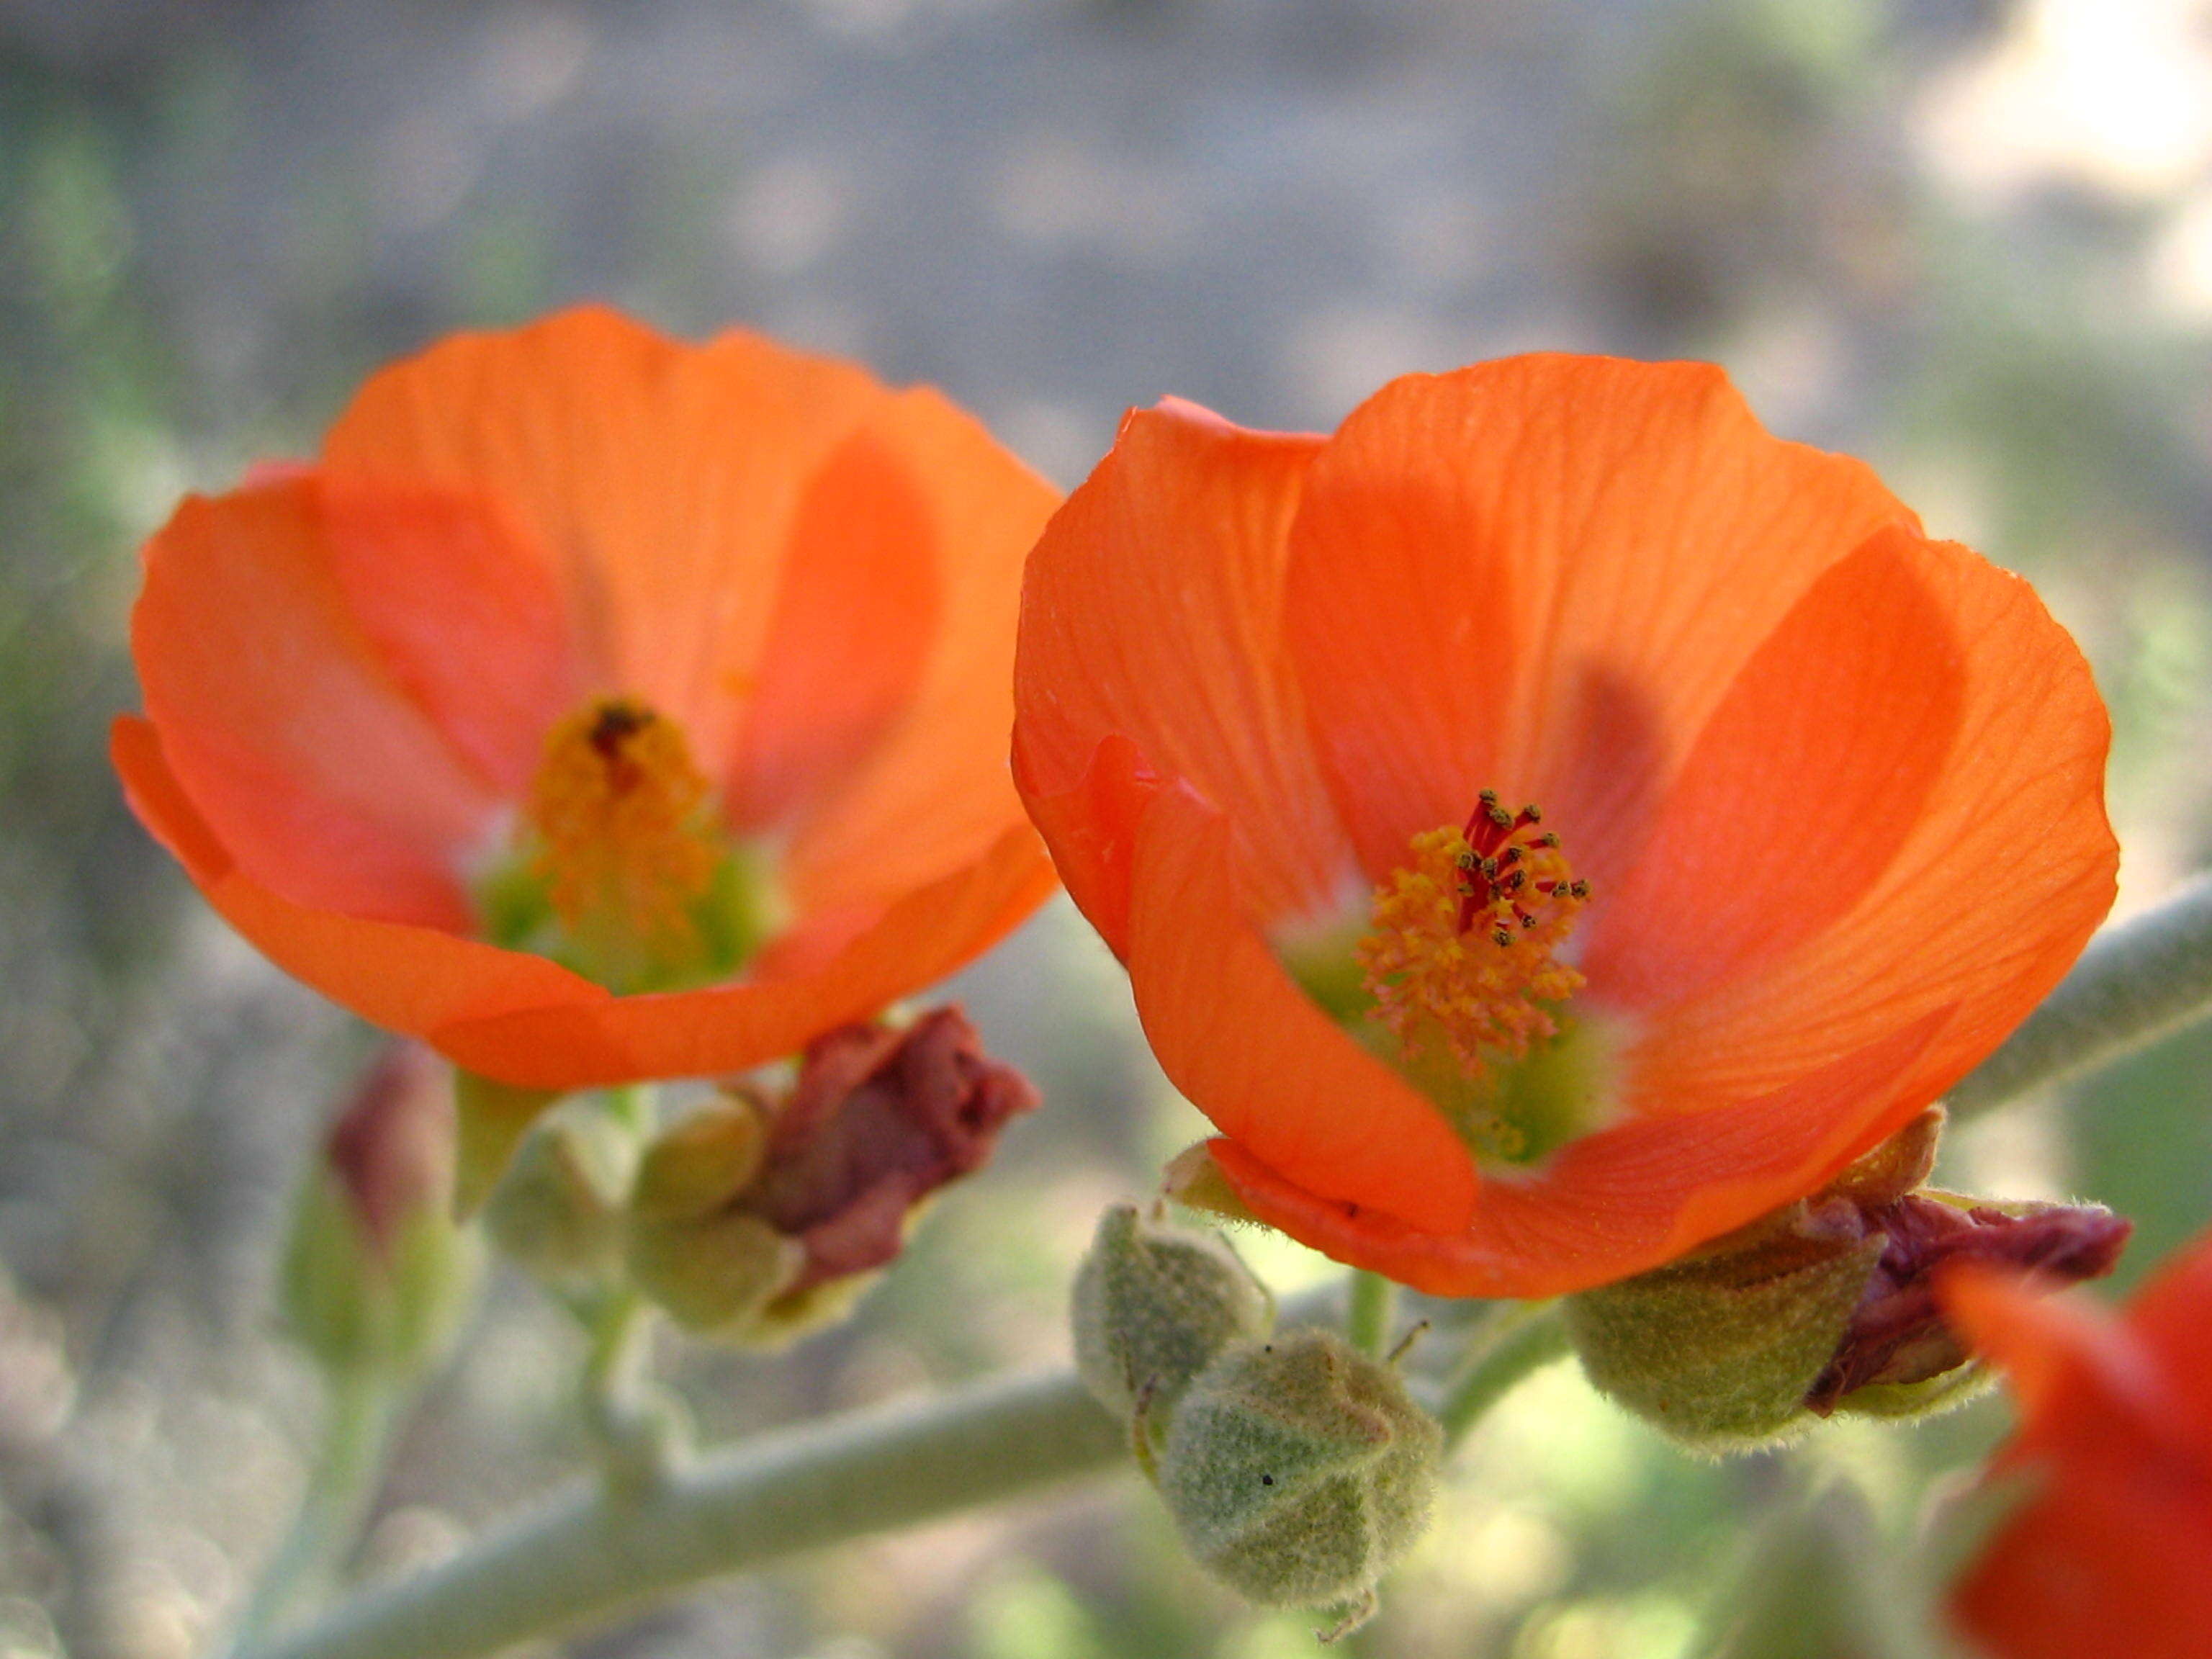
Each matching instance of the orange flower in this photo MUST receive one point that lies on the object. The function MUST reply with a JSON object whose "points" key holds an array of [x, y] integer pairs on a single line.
{"points": [[2112, 1551], [599, 707], [1820, 807]]}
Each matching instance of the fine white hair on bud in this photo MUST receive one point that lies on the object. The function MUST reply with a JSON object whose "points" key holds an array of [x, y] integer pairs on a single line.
{"points": [[1153, 1303], [1299, 1471]]}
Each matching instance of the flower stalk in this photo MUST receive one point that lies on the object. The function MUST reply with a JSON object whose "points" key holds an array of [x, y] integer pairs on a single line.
{"points": [[1374, 1307]]}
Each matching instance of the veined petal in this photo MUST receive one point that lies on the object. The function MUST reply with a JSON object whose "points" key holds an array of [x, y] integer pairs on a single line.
{"points": [[1616, 1202], [1800, 791], [2008, 866], [1257, 1057], [1540, 575], [856, 612], [1151, 611], [933, 794], [918, 940], [667, 478], [522, 1020], [410, 979], [352, 679]]}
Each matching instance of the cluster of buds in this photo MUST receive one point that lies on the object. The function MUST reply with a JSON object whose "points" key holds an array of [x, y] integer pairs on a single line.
{"points": [[1826, 1305], [763, 1214], [1298, 1470]]}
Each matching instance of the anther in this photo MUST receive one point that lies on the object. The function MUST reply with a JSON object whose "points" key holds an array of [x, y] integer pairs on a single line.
{"points": [[1502, 937]]}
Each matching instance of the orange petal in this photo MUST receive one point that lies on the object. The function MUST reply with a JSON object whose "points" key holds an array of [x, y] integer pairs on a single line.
{"points": [[2172, 1317], [855, 615], [1254, 1053], [934, 793], [348, 678], [1093, 832], [1800, 791], [522, 1020], [2008, 866], [1614, 1203], [408, 978], [1151, 611], [919, 939], [2108, 1557], [667, 477], [2047, 1345], [1540, 575]]}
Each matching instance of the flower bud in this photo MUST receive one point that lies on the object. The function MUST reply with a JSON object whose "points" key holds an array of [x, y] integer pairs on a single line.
{"points": [[375, 1272], [765, 1219], [712, 1265], [1299, 1471], [557, 1209], [1825, 1305], [1153, 1302]]}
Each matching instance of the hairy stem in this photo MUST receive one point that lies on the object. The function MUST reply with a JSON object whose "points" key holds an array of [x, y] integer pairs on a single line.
{"points": [[593, 1553], [1373, 1307], [2137, 981], [1517, 1339]]}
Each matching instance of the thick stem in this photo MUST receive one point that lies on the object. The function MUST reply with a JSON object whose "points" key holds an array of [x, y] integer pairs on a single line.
{"points": [[1373, 1308], [592, 1554], [2136, 982], [1518, 1339]]}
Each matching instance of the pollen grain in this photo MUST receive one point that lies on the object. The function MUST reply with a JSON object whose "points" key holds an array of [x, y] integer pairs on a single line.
{"points": [[1463, 937]]}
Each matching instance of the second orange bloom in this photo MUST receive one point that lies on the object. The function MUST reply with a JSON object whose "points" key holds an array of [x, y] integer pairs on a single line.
{"points": [[1550, 822]]}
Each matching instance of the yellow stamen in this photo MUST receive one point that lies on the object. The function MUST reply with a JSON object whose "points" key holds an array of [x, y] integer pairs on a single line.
{"points": [[625, 841], [1463, 940]]}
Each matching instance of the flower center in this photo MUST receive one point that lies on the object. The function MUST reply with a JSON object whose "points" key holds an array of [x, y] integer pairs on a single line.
{"points": [[623, 841], [1460, 959]]}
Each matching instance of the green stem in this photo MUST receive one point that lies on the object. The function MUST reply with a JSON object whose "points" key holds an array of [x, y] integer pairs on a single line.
{"points": [[357, 1426], [1516, 1340], [637, 1429], [2137, 981], [1372, 1310], [588, 1555]]}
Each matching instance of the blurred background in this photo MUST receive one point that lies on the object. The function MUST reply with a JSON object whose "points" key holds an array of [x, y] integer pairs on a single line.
{"points": [[1969, 240]]}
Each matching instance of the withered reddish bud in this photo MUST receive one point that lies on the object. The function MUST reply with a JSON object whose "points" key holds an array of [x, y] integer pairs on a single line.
{"points": [[391, 1148], [1897, 1333], [878, 1119]]}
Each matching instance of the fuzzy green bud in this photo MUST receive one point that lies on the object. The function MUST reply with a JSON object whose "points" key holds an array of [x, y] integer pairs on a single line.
{"points": [[1825, 1306], [1719, 1352], [1299, 1471], [713, 1265], [1153, 1303], [558, 1208]]}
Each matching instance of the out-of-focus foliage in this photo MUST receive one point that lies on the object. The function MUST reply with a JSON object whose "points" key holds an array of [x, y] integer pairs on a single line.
{"points": [[1969, 240]]}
